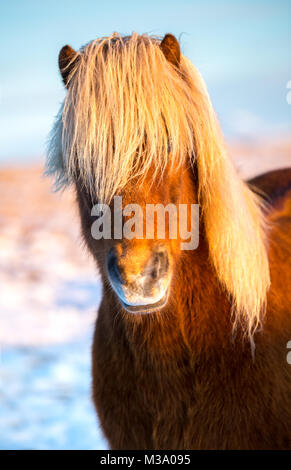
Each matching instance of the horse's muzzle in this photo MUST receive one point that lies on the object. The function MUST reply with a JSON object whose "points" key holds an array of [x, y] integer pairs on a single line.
{"points": [[145, 291]]}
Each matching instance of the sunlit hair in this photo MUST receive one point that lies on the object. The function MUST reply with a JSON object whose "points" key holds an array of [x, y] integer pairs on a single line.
{"points": [[128, 109]]}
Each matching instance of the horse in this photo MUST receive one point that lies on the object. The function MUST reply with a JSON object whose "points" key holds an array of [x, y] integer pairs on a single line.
{"points": [[190, 346]]}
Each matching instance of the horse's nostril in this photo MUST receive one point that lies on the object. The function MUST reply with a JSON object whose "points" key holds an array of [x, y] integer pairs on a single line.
{"points": [[112, 267]]}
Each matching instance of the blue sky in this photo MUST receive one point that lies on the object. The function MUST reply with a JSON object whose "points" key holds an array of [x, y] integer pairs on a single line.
{"points": [[242, 49]]}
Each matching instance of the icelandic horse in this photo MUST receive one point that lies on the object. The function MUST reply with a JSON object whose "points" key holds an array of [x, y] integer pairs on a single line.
{"points": [[190, 346]]}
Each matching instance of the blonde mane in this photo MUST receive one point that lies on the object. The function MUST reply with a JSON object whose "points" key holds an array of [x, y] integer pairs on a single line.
{"points": [[128, 109]]}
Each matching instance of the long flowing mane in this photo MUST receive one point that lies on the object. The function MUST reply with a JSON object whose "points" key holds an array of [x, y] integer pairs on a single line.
{"points": [[128, 109]]}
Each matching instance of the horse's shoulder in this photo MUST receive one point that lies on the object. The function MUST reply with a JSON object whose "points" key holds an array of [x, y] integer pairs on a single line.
{"points": [[273, 185]]}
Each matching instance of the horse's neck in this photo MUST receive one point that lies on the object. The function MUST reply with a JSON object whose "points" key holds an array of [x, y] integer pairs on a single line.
{"points": [[201, 304], [198, 313], [197, 317]]}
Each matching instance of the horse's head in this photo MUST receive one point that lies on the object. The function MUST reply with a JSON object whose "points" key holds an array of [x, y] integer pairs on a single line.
{"points": [[137, 123], [139, 263]]}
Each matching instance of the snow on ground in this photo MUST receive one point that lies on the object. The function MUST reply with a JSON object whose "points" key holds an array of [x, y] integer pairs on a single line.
{"points": [[45, 398], [49, 295], [47, 281]]}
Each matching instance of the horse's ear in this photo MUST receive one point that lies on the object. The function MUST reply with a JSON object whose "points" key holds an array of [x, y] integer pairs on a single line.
{"points": [[67, 60], [171, 49]]}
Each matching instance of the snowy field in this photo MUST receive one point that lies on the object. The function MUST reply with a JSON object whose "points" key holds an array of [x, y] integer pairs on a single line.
{"points": [[49, 295], [45, 398]]}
